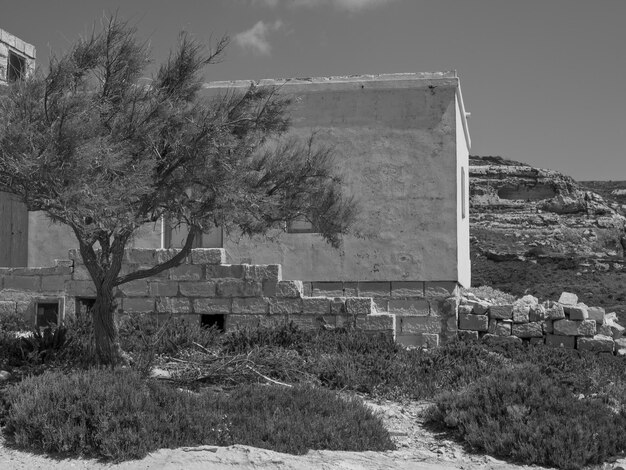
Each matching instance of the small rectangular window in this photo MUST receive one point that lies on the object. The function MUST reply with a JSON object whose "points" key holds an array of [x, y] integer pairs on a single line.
{"points": [[463, 184], [16, 67], [47, 314]]}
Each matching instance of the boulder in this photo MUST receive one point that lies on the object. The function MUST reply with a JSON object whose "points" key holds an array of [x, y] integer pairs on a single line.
{"points": [[576, 312], [528, 330], [567, 298], [501, 312], [597, 314], [599, 343], [574, 328]]}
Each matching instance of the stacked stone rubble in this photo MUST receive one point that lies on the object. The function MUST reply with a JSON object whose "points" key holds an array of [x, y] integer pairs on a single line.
{"points": [[566, 323]]}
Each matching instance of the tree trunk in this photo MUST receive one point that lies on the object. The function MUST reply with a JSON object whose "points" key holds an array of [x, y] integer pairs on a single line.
{"points": [[108, 350]]}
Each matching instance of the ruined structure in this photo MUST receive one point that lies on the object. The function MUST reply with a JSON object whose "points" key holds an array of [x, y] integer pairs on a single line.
{"points": [[401, 143]]}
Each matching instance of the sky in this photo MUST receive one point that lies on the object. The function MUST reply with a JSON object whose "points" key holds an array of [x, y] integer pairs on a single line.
{"points": [[542, 79]]}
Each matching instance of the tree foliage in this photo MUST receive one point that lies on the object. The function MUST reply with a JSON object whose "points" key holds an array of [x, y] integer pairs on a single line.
{"points": [[104, 150]]}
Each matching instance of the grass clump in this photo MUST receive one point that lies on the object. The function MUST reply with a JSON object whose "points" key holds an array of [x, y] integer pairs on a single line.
{"points": [[118, 415], [527, 417]]}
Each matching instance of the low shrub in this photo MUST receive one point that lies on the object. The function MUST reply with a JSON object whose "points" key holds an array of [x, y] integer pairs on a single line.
{"points": [[525, 416], [117, 415]]}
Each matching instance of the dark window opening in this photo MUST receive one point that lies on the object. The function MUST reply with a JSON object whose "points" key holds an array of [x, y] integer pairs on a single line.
{"points": [[213, 321], [16, 69], [84, 306], [47, 314]]}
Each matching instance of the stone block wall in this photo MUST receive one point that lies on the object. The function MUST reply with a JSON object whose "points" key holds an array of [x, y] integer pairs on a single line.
{"points": [[566, 323], [245, 295], [425, 313]]}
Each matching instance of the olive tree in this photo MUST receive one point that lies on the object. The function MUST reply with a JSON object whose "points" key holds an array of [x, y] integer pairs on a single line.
{"points": [[103, 150]]}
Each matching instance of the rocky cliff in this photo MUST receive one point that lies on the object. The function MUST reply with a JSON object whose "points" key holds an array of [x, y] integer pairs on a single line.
{"points": [[521, 212]]}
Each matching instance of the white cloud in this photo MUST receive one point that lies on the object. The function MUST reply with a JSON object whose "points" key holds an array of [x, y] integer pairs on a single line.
{"points": [[350, 5], [256, 38]]}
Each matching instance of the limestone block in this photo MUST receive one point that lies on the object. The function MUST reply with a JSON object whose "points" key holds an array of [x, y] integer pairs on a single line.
{"points": [[54, 283], [166, 254], [493, 325], [376, 289], [554, 311], [197, 288], [548, 326], [376, 322], [285, 306], [576, 312], [414, 324], [327, 289], [319, 305], [238, 288], [473, 322], [381, 304], [186, 272], [180, 305], [64, 263], [80, 288], [305, 322], [479, 307], [522, 308], [359, 306], [234, 322], [407, 289], [338, 306], [616, 328], [501, 312], [81, 273], [604, 330], [258, 305], [7, 307], [465, 309], [574, 328], [527, 330], [409, 307], [136, 288], [22, 282], [422, 340], [620, 346], [211, 305], [559, 341], [537, 313], [138, 304], [208, 256], [440, 289], [597, 314], [537, 340], [143, 256], [163, 288], [289, 289], [568, 298], [449, 307], [350, 289], [503, 328], [262, 272], [467, 335], [599, 343], [224, 271], [495, 339]]}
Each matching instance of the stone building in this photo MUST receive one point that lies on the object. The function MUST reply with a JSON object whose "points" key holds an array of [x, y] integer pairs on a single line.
{"points": [[401, 143]]}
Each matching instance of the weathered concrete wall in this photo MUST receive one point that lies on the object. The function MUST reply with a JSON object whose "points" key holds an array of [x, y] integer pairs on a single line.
{"points": [[464, 267], [48, 241], [395, 138]]}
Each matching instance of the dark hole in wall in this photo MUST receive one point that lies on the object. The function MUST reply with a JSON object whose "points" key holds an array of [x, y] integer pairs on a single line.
{"points": [[16, 67], [213, 320], [47, 314]]}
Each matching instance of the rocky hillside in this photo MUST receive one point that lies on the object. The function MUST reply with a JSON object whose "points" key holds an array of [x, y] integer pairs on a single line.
{"points": [[537, 231], [521, 211]]}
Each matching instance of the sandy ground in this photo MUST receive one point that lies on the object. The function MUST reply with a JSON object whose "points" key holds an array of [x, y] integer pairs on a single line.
{"points": [[418, 449]]}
